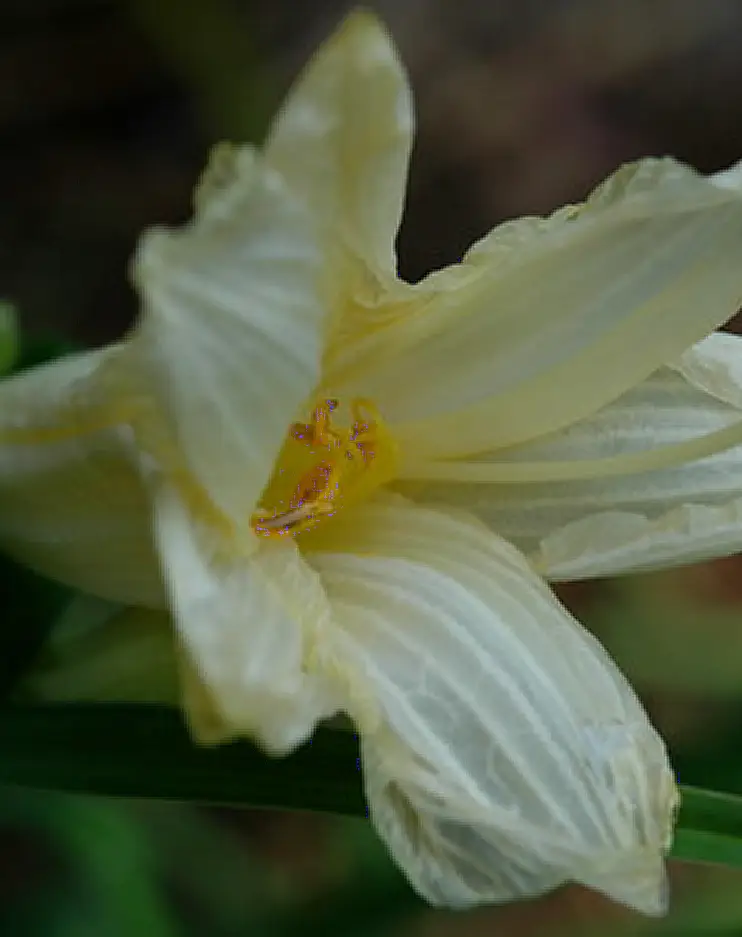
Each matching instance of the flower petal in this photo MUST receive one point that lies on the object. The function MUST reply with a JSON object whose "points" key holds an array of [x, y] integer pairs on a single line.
{"points": [[230, 338], [72, 504], [730, 178], [632, 522], [244, 622], [343, 137], [565, 314], [511, 756]]}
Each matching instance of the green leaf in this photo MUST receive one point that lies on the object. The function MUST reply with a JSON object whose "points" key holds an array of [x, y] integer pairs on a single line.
{"points": [[8, 336], [709, 827], [698, 846], [39, 349], [145, 751], [30, 604]]}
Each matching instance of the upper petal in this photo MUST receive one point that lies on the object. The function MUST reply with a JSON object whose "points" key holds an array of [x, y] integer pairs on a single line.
{"points": [[627, 522], [511, 755], [342, 139], [560, 316], [72, 504], [245, 621], [229, 342]]}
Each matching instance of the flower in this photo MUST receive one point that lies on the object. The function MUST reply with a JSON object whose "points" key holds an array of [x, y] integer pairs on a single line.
{"points": [[349, 490]]}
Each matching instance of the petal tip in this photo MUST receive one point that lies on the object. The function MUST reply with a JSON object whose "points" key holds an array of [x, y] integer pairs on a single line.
{"points": [[363, 25]]}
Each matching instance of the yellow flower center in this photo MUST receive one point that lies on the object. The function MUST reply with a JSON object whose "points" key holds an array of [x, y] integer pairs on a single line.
{"points": [[323, 468]]}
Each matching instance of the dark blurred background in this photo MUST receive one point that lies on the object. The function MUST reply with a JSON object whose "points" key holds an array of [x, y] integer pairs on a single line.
{"points": [[107, 110]]}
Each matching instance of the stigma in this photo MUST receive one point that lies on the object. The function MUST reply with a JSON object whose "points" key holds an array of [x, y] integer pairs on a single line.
{"points": [[323, 467]]}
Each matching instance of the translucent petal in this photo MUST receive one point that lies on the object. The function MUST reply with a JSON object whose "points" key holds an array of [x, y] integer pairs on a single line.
{"points": [[72, 504], [682, 514], [343, 137], [245, 619], [230, 337], [512, 756], [730, 178], [564, 315]]}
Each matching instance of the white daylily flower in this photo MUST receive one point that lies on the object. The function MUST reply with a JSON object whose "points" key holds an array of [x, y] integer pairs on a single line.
{"points": [[319, 463]]}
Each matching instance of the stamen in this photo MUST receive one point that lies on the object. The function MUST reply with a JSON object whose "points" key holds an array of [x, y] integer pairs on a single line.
{"points": [[354, 462]]}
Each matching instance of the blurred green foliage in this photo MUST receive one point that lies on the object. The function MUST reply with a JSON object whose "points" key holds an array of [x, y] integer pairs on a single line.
{"points": [[8, 336]]}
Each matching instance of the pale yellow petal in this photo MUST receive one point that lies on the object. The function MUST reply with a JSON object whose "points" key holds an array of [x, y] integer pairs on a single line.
{"points": [[343, 136], [230, 338], [564, 315], [511, 755], [207, 723], [72, 504], [625, 523], [245, 623]]}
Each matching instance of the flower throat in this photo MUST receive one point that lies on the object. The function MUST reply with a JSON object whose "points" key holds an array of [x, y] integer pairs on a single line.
{"points": [[323, 468]]}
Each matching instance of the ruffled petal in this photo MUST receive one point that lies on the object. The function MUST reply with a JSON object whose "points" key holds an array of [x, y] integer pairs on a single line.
{"points": [[245, 620], [72, 504], [229, 342], [556, 317], [626, 523], [510, 755], [342, 139]]}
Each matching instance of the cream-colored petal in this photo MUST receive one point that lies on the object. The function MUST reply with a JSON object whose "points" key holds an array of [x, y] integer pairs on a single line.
{"points": [[342, 139], [565, 315], [245, 623], [730, 178], [627, 523], [229, 342], [511, 755], [72, 504]]}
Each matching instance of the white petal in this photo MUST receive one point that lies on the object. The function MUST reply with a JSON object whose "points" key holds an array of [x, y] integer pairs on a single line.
{"points": [[564, 315], [627, 523], [245, 620], [230, 337], [730, 178], [72, 504], [512, 755], [343, 137]]}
